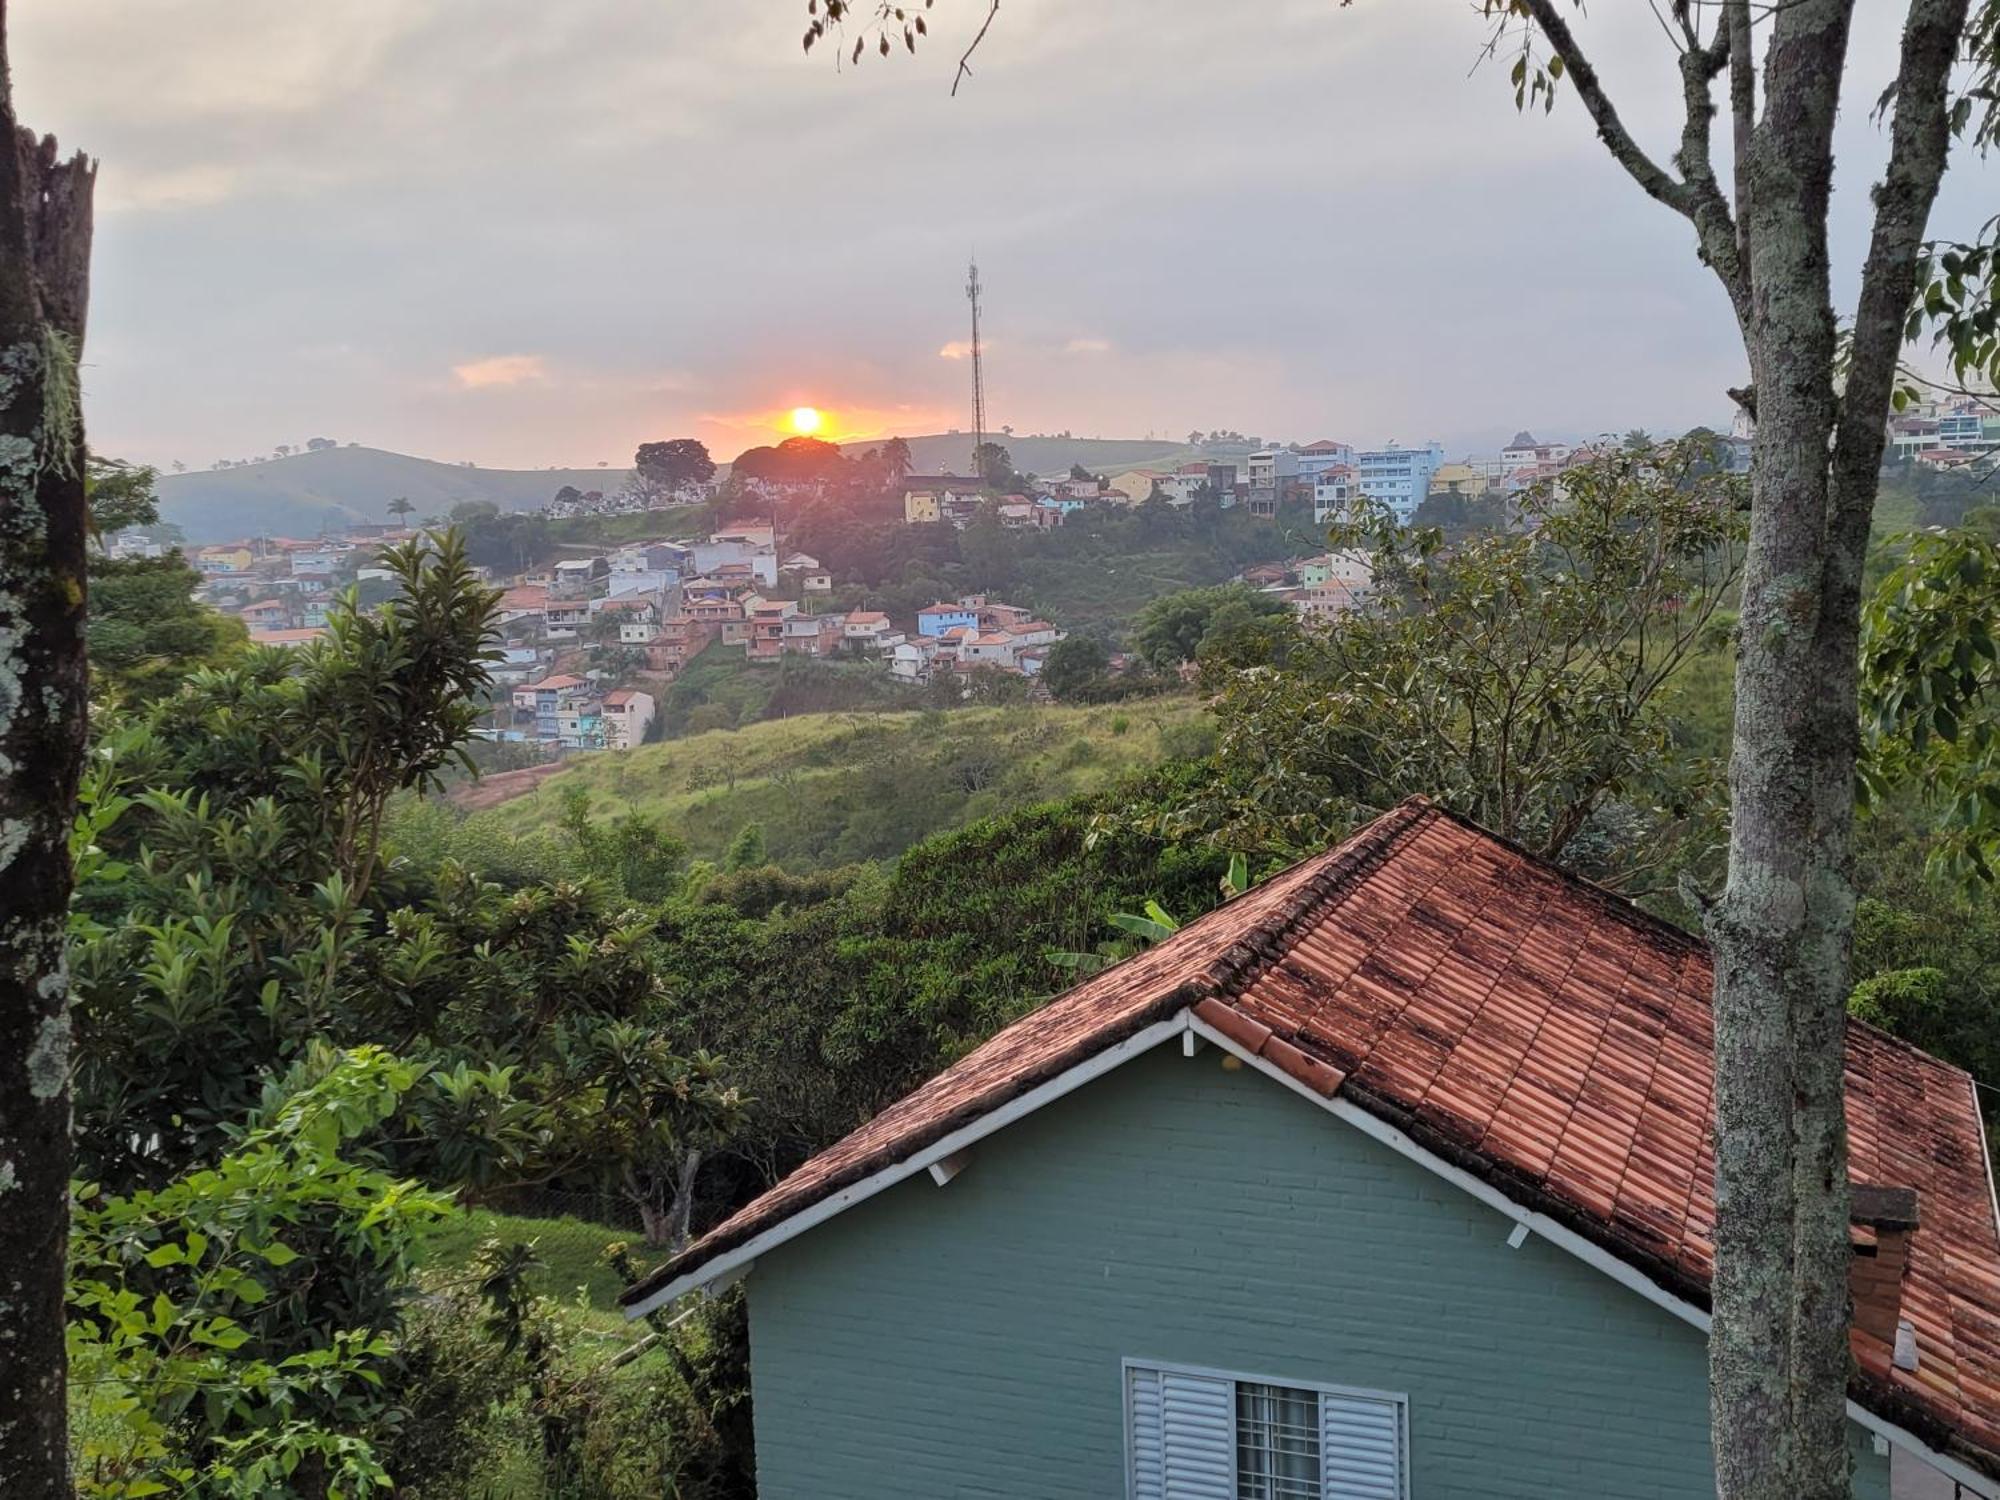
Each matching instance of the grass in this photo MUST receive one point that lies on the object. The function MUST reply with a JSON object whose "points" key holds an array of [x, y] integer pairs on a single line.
{"points": [[572, 1251], [831, 789]]}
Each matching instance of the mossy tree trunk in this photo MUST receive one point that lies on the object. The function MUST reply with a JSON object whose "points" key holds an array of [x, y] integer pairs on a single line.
{"points": [[1782, 929], [45, 225]]}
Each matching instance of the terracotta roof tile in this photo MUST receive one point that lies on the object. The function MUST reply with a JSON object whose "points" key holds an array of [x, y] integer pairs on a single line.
{"points": [[1528, 1027]]}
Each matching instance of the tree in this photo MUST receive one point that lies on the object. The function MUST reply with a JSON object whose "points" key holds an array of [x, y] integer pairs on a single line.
{"points": [[664, 469], [1172, 627], [45, 229], [1517, 676], [1820, 394], [1077, 669], [320, 444], [995, 467], [400, 507], [1931, 690]]}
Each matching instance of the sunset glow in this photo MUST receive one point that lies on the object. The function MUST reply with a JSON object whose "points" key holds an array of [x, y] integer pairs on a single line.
{"points": [[807, 420]]}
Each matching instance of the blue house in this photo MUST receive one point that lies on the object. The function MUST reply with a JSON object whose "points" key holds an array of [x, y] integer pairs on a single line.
{"points": [[1386, 1181], [936, 619]]}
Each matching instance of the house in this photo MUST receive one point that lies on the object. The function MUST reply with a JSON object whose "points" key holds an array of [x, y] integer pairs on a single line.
{"points": [[227, 559], [1390, 1176], [266, 614], [576, 576], [910, 661], [564, 618], [1316, 458], [811, 635], [1333, 492], [546, 700], [927, 496], [936, 619], [678, 641], [580, 722], [1138, 485], [865, 629], [767, 619], [301, 637], [627, 712], [1526, 452]]}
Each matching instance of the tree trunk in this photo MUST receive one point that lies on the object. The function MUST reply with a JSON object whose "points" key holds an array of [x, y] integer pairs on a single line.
{"points": [[45, 223], [1780, 985]]}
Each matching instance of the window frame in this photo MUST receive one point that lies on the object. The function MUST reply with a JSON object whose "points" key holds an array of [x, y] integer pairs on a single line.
{"points": [[1400, 1400]]}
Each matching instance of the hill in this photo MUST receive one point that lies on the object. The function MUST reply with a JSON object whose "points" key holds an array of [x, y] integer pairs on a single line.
{"points": [[951, 452], [832, 789], [304, 494]]}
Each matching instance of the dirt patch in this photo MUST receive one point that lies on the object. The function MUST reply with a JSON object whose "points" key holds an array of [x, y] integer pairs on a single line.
{"points": [[497, 787]]}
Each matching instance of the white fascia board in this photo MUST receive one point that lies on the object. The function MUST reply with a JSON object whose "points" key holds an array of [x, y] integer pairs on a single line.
{"points": [[1590, 1253], [792, 1227]]}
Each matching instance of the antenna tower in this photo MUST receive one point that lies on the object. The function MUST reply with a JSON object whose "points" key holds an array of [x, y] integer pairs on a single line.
{"points": [[978, 370]]}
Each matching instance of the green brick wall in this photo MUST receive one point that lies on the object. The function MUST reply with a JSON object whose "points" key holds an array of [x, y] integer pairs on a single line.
{"points": [[960, 1342]]}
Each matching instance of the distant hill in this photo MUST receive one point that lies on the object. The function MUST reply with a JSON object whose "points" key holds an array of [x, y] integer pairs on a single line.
{"points": [[306, 493], [951, 453]]}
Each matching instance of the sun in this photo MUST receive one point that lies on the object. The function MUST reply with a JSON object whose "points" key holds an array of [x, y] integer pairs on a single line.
{"points": [[806, 420]]}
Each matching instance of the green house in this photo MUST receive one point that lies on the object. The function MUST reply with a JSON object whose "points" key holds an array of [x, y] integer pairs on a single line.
{"points": [[1389, 1180]]}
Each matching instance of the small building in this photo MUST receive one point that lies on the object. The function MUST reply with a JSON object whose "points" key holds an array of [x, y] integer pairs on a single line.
{"points": [[865, 629], [1387, 1180], [1397, 478], [935, 619], [767, 619], [927, 496], [626, 713], [302, 636], [266, 614], [811, 635]]}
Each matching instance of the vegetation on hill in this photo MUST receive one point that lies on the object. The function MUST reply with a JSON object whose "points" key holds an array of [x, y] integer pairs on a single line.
{"points": [[828, 789], [305, 493], [1098, 571]]}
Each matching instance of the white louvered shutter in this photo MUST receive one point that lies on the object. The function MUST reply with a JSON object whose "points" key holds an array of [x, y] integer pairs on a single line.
{"points": [[1183, 1436], [1361, 1448]]}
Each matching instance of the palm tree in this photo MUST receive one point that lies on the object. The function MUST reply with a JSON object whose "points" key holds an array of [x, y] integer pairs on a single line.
{"points": [[400, 507]]}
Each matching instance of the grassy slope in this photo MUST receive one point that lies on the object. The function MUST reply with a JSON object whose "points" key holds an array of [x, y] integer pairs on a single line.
{"points": [[830, 789], [300, 495], [571, 1250]]}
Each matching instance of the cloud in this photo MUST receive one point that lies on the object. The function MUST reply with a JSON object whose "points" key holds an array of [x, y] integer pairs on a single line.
{"points": [[956, 349], [181, 187], [1087, 346], [500, 370]]}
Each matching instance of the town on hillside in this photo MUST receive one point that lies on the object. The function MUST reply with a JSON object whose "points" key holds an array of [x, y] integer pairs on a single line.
{"points": [[590, 640]]}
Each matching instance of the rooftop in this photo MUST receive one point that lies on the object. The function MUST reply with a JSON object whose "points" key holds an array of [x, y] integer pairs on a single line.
{"points": [[1527, 1028]]}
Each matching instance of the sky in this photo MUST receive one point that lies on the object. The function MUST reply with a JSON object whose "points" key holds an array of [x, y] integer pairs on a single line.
{"points": [[530, 234]]}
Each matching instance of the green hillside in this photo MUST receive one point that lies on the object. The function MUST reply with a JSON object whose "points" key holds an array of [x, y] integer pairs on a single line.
{"points": [[831, 789], [306, 493]]}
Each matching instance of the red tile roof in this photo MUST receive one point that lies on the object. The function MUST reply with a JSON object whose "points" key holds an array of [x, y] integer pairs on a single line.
{"points": [[1529, 1028]]}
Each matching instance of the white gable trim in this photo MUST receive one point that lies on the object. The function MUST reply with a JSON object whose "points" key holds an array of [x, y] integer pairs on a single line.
{"points": [[790, 1228], [1587, 1251]]}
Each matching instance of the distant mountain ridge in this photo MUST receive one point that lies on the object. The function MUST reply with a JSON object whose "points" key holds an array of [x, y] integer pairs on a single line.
{"points": [[308, 493]]}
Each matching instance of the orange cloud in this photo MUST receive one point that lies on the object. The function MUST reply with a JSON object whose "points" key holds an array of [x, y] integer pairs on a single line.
{"points": [[1087, 346], [500, 370]]}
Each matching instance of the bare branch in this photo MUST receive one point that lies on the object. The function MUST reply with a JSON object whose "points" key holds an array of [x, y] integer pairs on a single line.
{"points": [[1657, 182], [964, 71]]}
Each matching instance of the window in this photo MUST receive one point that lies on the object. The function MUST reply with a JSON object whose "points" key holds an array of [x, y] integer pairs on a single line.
{"points": [[1204, 1435]]}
